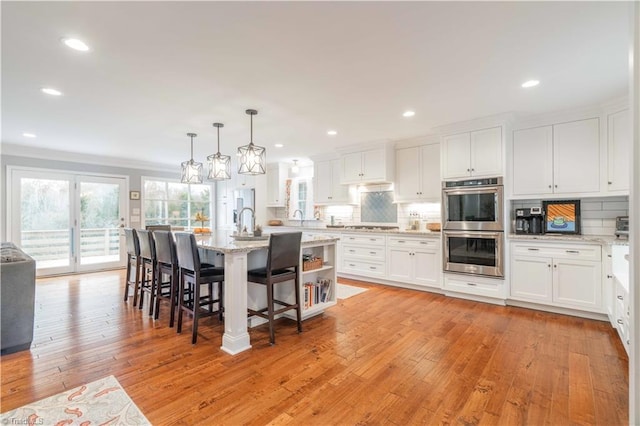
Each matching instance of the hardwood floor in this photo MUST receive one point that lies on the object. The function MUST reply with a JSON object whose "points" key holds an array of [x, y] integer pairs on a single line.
{"points": [[386, 356]]}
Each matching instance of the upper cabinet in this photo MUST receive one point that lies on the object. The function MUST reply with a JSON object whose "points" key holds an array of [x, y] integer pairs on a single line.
{"points": [[470, 154], [276, 177], [618, 149], [418, 173], [373, 165], [326, 183], [559, 159]]}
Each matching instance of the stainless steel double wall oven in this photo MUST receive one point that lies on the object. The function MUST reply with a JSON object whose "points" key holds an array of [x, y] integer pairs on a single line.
{"points": [[473, 231]]}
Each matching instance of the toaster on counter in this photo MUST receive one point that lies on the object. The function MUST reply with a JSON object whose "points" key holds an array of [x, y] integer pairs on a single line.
{"points": [[622, 225]]}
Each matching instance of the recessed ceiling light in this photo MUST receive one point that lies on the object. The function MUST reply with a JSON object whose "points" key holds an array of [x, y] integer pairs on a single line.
{"points": [[75, 44], [28, 135], [278, 145], [51, 91], [332, 133], [530, 83], [408, 113]]}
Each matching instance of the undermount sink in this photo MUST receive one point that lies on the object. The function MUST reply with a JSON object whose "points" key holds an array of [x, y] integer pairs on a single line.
{"points": [[250, 237]]}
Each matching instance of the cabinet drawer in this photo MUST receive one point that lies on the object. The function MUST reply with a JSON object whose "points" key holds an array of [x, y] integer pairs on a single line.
{"points": [[359, 267], [477, 286], [360, 252], [561, 251], [367, 240], [413, 242]]}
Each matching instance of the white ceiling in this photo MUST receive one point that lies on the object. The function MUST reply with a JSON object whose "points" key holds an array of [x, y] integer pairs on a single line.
{"points": [[157, 70]]}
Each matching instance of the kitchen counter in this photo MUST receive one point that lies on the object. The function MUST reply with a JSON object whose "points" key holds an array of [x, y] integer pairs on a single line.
{"points": [[236, 260], [595, 239], [305, 229]]}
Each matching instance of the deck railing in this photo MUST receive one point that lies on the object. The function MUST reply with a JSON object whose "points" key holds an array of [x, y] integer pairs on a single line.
{"points": [[54, 244]]}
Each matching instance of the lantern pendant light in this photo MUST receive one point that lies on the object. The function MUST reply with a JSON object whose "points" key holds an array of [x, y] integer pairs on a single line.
{"points": [[191, 170], [252, 158], [219, 165]]}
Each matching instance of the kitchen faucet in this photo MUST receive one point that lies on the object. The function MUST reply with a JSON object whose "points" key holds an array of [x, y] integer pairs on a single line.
{"points": [[253, 216], [301, 216]]}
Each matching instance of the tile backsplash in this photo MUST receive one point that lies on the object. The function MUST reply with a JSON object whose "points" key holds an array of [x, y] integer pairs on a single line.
{"points": [[598, 215], [378, 207]]}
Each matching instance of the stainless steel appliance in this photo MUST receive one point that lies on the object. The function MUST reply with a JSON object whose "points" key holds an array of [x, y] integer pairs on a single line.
{"points": [[529, 220], [474, 252], [473, 205], [622, 226]]}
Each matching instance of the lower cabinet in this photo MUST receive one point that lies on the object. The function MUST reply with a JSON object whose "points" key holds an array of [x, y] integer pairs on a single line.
{"points": [[414, 261], [563, 275], [363, 254]]}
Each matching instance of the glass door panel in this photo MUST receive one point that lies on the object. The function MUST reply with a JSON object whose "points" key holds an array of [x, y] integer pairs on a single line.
{"points": [[42, 220], [101, 208]]}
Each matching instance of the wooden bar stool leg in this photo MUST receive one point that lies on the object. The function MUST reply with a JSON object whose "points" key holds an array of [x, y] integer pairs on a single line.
{"points": [[272, 336], [180, 302], [196, 309], [174, 296]]}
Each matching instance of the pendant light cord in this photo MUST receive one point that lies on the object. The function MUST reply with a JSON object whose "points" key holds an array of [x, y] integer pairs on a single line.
{"points": [[192, 149]]}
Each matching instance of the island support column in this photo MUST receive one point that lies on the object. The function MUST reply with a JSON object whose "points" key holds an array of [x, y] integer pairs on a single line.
{"points": [[236, 337]]}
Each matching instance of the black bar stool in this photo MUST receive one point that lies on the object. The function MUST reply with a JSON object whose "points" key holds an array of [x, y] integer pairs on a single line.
{"points": [[194, 274], [133, 260], [283, 264], [167, 264], [148, 256]]}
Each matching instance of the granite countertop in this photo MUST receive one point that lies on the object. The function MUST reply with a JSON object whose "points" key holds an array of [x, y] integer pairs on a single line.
{"points": [[596, 239], [420, 233], [223, 241]]}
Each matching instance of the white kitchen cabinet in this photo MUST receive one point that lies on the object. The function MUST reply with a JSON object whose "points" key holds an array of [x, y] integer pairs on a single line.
{"points": [[364, 254], [608, 285], [224, 205], [413, 260], [276, 179], [559, 159], [326, 180], [618, 149], [367, 166], [531, 278], [418, 174], [576, 157], [563, 275], [577, 283], [471, 154], [533, 161]]}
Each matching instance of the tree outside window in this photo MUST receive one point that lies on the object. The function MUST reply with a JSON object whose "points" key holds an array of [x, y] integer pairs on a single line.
{"points": [[175, 203]]}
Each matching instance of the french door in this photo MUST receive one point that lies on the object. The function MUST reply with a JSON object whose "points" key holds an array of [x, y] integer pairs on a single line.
{"points": [[68, 222]]}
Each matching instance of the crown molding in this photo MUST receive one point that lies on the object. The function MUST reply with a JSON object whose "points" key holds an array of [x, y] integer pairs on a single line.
{"points": [[75, 157]]}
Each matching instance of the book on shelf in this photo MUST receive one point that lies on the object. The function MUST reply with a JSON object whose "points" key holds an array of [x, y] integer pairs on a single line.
{"points": [[318, 292]]}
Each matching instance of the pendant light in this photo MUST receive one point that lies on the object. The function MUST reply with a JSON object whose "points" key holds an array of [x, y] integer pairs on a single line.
{"points": [[295, 169], [253, 158], [219, 165], [191, 170]]}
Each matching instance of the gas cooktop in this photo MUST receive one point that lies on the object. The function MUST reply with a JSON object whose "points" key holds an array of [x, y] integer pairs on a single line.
{"points": [[372, 227]]}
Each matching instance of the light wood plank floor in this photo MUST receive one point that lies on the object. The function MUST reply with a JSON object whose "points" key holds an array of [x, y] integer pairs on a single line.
{"points": [[386, 356]]}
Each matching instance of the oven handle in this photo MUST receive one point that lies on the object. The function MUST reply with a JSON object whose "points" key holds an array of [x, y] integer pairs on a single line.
{"points": [[467, 191], [474, 234]]}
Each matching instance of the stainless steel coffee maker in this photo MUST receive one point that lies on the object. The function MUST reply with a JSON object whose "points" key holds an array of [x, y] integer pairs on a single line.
{"points": [[529, 221]]}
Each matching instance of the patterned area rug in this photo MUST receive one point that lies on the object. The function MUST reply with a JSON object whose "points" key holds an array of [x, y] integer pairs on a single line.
{"points": [[102, 402], [344, 291]]}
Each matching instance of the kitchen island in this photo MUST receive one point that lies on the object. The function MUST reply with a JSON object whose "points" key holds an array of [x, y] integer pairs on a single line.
{"points": [[239, 256]]}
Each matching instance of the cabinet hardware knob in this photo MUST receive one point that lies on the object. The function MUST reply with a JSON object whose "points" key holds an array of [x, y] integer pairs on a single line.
{"points": [[619, 321], [468, 170], [609, 276], [549, 186], [610, 183], [628, 342], [549, 265], [472, 284], [573, 251], [533, 249], [473, 170], [555, 266], [351, 264], [372, 252], [372, 267], [620, 297], [555, 186]]}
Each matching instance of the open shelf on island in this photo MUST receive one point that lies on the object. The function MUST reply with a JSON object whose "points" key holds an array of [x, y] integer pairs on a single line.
{"points": [[322, 268]]}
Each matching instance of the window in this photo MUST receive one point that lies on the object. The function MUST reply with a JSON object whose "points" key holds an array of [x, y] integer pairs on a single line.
{"points": [[176, 204], [301, 198]]}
